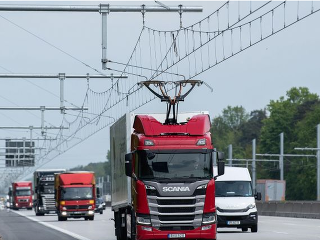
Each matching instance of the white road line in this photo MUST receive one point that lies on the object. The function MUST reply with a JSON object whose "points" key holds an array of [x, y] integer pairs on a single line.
{"points": [[54, 227], [280, 232]]}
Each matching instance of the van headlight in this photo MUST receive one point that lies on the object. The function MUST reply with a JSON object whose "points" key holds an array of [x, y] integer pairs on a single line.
{"points": [[252, 205], [144, 220], [209, 218]]}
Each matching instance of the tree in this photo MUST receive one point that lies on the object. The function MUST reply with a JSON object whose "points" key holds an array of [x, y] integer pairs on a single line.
{"points": [[291, 115], [226, 129]]}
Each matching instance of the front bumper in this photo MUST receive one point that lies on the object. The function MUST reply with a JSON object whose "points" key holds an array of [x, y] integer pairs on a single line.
{"points": [[198, 233], [243, 220], [77, 214]]}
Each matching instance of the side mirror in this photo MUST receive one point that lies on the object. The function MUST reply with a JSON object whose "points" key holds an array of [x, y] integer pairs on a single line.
{"points": [[220, 168], [257, 196], [128, 164], [220, 156]]}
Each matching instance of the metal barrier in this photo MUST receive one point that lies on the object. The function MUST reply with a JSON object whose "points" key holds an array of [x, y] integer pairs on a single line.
{"points": [[296, 209]]}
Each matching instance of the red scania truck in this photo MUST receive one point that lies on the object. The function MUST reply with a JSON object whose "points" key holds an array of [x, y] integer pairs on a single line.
{"points": [[22, 195], [75, 195], [170, 191]]}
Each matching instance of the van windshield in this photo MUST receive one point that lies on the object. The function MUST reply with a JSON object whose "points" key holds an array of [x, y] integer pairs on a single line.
{"points": [[233, 189]]}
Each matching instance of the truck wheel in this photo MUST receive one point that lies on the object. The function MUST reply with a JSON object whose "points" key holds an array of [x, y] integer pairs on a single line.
{"points": [[121, 232], [254, 228], [91, 218], [244, 229], [62, 218], [101, 212], [86, 218]]}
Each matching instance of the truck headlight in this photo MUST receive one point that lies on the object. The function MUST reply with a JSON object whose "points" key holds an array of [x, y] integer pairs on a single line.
{"points": [[201, 142], [209, 218], [252, 205], [144, 220]]}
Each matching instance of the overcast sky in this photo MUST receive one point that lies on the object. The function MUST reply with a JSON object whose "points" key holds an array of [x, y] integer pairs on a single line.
{"points": [[251, 79]]}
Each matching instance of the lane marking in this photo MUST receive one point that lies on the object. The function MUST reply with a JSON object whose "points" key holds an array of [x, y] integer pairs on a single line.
{"points": [[280, 232], [54, 227]]}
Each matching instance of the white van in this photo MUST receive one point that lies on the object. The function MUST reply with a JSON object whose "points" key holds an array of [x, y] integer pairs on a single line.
{"points": [[235, 201]]}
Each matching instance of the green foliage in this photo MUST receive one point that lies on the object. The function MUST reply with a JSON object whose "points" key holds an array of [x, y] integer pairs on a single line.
{"points": [[101, 169], [297, 115], [238, 128]]}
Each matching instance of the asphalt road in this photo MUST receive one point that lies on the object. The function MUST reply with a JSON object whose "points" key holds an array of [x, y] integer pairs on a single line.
{"points": [[13, 226], [16, 227]]}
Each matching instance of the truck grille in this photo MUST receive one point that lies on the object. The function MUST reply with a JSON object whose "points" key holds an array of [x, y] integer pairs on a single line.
{"points": [[176, 218], [49, 202], [73, 207], [176, 210], [180, 201], [176, 213]]}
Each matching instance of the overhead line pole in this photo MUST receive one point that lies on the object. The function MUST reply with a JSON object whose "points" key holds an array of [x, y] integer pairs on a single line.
{"points": [[61, 77], [104, 10]]}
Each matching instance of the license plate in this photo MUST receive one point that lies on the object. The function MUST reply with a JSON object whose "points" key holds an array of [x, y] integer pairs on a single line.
{"points": [[77, 212], [233, 222], [177, 235]]}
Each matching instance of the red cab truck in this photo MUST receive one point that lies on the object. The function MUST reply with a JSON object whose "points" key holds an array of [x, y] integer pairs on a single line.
{"points": [[22, 195], [75, 195], [163, 185]]}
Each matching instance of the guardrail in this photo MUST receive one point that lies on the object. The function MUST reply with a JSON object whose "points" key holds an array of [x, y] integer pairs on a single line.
{"points": [[297, 209]]}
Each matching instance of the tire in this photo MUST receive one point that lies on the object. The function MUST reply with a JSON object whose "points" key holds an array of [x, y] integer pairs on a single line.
{"points": [[86, 218], [254, 228], [133, 225], [244, 229], [91, 218], [121, 232], [62, 218], [101, 212]]}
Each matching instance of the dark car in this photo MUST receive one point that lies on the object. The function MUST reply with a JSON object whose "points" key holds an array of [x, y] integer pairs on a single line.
{"points": [[99, 206]]}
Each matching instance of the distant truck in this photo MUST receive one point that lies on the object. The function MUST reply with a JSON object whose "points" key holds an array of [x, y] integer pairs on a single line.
{"points": [[169, 191], [235, 200], [22, 195], [43, 180], [75, 194]]}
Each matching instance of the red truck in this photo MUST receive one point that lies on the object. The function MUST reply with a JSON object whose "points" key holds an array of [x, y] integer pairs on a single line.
{"points": [[170, 189], [75, 195], [22, 195]]}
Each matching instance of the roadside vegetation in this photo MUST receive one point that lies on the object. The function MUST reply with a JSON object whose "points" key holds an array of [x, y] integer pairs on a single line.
{"points": [[297, 114]]}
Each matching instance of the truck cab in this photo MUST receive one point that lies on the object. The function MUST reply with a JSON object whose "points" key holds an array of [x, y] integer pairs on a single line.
{"points": [[22, 195], [75, 195], [170, 192], [235, 200], [44, 202]]}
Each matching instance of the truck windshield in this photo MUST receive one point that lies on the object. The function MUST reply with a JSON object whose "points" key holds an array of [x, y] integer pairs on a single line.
{"points": [[174, 165], [76, 193], [49, 189], [233, 189], [23, 192]]}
